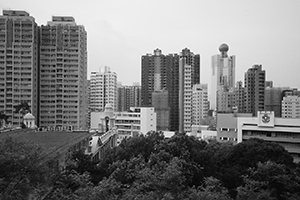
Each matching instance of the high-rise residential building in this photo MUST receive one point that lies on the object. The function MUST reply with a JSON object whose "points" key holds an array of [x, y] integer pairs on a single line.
{"points": [[153, 76], [160, 73], [103, 90], [63, 74], [172, 79], [273, 98], [255, 79], [223, 74], [18, 63], [187, 79], [200, 104], [128, 96]]}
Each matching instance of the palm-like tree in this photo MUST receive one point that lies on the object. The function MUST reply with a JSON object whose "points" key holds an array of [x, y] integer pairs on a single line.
{"points": [[3, 119], [23, 108]]}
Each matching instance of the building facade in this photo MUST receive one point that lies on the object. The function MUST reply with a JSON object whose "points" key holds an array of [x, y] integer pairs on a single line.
{"points": [[227, 126], [255, 79], [128, 96], [161, 106], [63, 74], [103, 90], [18, 63]]}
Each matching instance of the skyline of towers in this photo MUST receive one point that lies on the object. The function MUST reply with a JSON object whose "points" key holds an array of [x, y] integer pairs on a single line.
{"points": [[63, 74], [18, 63], [161, 74], [46, 66], [223, 75]]}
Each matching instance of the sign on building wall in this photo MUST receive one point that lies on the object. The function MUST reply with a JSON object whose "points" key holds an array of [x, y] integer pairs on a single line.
{"points": [[265, 119]]}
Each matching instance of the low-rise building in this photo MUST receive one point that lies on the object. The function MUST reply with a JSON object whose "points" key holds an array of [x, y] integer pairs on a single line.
{"points": [[138, 120], [284, 131]]}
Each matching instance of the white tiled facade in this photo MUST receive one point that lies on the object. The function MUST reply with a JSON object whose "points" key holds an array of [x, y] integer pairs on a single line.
{"points": [[103, 90], [63, 74], [18, 63]]}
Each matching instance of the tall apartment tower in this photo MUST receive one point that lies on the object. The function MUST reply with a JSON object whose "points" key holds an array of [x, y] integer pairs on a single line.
{"points": [[18, 63], [128, 96], [63, 74], [200, 104], [189, 67], [255, 79], [103, 90], [223, 74]]}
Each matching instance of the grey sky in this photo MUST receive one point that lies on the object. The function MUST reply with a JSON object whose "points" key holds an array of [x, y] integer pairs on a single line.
{"points": [[120, 31]]}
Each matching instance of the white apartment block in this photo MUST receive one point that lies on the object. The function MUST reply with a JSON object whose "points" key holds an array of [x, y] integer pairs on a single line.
{"points": [[291, 107], [103, 90], [18, 63], [63, 74], [185, 96], [200, 104]]}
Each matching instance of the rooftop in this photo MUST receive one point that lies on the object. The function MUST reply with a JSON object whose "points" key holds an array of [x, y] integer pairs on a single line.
{"points": [[52, 142]]}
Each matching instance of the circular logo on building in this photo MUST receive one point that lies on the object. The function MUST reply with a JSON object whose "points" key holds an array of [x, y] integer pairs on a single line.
{"points": [[265, 118]]}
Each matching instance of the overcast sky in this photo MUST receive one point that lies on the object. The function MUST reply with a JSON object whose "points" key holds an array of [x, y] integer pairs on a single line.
{"points": [[121, 31]]}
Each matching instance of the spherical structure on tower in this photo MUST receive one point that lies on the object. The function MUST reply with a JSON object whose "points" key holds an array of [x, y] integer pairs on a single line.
{"points": [[224, 48]]}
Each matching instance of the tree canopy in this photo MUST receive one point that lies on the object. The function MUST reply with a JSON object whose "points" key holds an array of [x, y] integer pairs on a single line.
{"points": [[154, 167]]}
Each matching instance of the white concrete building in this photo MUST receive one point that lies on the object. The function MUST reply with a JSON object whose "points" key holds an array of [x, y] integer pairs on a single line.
{"points": [[290, 107], [284, 131], [138, 121], [103, 90], [200, 103]]}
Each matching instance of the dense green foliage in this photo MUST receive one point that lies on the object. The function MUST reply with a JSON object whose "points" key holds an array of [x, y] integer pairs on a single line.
{"points": [[182, 167]]}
